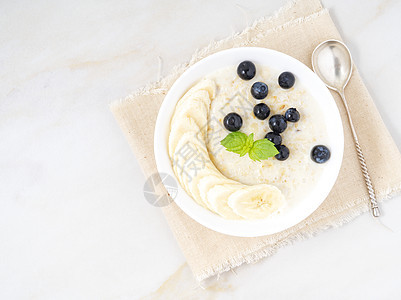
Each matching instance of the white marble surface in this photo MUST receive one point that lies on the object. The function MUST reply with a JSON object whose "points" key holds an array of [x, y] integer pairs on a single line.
{"points": [[73, 220]]}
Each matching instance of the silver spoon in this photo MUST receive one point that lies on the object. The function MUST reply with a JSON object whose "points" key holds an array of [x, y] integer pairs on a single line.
{"points": [[332, 62]]}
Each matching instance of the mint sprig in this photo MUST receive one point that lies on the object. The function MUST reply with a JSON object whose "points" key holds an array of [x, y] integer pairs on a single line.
{"points": [[240, 143]]}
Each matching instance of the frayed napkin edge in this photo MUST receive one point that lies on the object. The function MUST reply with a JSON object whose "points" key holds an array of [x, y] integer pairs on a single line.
{"points": [[162, 86]]}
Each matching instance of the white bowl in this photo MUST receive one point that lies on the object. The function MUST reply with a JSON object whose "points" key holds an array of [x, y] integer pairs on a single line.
{"points": [[310, 81]]}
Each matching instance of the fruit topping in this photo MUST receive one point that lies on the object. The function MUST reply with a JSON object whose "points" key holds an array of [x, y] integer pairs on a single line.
{"points": [[273, 137], [320, 154], [292, 115], [277, 123], [246, 70], [259, 90], [284, 152], [232, 122], [261, 111], [286, 80]]}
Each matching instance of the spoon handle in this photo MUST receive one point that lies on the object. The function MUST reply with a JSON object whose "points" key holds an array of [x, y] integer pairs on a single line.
{"points": [[372, 196]]}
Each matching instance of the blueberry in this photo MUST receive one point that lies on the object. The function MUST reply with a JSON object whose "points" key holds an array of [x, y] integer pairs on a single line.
{"points": [[273, 137], [261, 111], [320, 154], [286, 80], [259, 90], [284, 152], [246, 70], [232, 122], [292, 115], [277, 123]]}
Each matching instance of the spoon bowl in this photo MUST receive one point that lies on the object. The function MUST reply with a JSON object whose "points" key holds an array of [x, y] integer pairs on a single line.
{"points": [[332, 62]]}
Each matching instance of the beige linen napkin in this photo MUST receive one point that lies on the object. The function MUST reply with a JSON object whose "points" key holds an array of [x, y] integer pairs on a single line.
{"points": [[296, 29]]}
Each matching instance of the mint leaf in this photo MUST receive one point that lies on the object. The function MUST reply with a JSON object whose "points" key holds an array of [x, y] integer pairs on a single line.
{"points": [[235, 142], [242, 144], [262, 149], [248, 145]]}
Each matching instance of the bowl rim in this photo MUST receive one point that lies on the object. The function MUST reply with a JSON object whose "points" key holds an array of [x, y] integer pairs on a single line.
{"points": [[233, 56]]}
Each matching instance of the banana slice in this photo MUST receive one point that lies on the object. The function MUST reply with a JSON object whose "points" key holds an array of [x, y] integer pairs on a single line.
{"points": [[191, 182], [188, 146], [208, 171], [179, 128], [187, 165], [256, 202], [217, 198], [191, 113], [209, 86], [204, 85], [190, 163], [210, 181], [196, 107]]}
